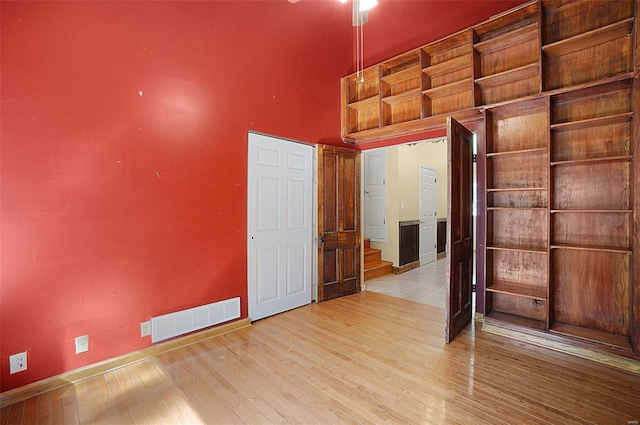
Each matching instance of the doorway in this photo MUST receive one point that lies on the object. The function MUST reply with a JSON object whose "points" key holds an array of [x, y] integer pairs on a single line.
{"points": [[402, 188], [407, 285]]}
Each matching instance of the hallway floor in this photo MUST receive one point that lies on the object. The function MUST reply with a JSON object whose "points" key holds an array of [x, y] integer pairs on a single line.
{"points": [[425, 285]]}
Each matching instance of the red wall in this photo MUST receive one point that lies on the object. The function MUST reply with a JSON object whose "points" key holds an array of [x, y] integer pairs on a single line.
{"points": [[115, 206]]}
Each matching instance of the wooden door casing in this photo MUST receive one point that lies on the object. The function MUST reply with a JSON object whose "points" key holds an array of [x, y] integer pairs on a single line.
{"points": [[338, 222], [460, 229]]}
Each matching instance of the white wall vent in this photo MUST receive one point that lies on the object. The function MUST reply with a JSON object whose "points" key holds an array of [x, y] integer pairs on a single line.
{"points": [[185, 321]]}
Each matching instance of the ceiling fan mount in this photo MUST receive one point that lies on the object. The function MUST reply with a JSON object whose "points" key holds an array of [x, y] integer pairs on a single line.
{"points": [[360, 10]]}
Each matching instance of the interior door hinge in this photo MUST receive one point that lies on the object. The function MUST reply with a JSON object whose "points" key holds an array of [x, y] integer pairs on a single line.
{"points": [[475, 157]]}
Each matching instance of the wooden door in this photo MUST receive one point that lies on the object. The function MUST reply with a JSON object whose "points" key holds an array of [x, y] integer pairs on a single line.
{"points": [[459, 229], [279, 224], [338, 222]]}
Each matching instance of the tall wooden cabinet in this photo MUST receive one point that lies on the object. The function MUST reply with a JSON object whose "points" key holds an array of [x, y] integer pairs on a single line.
{"points": [[556, 84]]}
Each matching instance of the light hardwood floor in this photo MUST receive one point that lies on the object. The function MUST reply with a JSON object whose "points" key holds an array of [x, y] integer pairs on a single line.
{"points": [[367, 358]]}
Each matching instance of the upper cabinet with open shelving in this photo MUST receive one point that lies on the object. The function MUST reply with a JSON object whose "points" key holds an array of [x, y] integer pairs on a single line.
{"points": [[496, 61], [540, 48]]}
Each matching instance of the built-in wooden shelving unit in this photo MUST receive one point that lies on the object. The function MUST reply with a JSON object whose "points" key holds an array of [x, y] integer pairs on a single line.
{"points": [[556, 85]]}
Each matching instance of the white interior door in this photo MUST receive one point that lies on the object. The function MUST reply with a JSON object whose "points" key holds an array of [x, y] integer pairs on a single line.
{"points": [[279, 225], [428, 217], [375, 195]]}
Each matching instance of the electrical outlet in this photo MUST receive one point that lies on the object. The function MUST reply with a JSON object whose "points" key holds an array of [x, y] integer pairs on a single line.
{"points": [[145, 329], [18, 362], [82, 344]]}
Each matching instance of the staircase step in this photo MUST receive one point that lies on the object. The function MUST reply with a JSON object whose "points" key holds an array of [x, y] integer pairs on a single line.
{"points": [[377, 269], [372, 255], [367, 243]]}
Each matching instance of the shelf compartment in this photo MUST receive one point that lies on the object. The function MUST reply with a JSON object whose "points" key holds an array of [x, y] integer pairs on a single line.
{"points": [[522, 171], [446, 105], [504, 55], [606, 137], [405, 74], [365, 103], [456, 64], [609, 101], [515, 208], [508, 22], [513, 319], [447, 49], [449, 89], [508, 39], [517, 228], [565, 66], [398, 78], [510, 84], [598, 186], [518, 126], [517, 198], [524, 248], [603, 338], [510, 76], [564, 20], [591, 211], [400, 64], [363, 116], [449, 72], [591, 123], [603, 160], [518, 273], [358, 90], [406, 96], [589, 39], [592, 290], [402, 108], [516, 309], [595, 248], [448, 98], [518, 290], [600, 229], [517, 152]]}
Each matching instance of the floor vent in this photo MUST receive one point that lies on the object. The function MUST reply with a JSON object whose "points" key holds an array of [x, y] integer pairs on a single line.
{"points": [[185, 321]]}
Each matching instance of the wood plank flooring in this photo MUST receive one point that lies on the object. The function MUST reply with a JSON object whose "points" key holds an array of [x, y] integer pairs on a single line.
{"points": [[367, 358]]}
